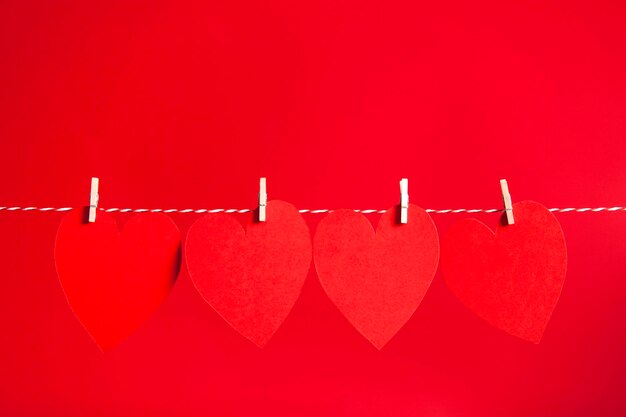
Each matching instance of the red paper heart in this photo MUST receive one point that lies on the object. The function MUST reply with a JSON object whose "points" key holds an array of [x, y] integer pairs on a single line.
{"points": [[115, 281], [377, 280], [252, 278], [512, 278]]}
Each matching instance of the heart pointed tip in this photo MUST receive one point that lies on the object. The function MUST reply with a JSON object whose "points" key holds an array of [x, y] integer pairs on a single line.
{"points": [[260, 343], [104, 348], [379, 344], [531, 338]]}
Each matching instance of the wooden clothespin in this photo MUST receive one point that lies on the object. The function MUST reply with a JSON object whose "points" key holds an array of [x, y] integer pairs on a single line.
{"points": [[93, 199], [262, 199], [508, 205], [404, 201]]}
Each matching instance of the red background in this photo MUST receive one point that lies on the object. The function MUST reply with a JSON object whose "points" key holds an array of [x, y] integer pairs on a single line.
{"points": [[187, 105]]}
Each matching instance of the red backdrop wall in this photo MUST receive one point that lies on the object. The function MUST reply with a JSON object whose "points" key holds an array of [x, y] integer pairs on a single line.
{"points": [[187, 104]]}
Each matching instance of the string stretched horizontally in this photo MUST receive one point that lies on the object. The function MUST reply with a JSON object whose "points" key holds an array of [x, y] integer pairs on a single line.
{"points": [[310, 211]]}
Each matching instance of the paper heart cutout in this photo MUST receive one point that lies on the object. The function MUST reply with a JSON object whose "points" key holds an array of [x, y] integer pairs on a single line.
{"points": [[511, 278], [115, 281], [252, 278], [376, 279]]}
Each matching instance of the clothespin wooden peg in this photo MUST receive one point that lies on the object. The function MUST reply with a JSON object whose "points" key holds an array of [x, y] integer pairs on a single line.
{"points": [[404, 201], [508, 205], [262, 199], [93, 199]]}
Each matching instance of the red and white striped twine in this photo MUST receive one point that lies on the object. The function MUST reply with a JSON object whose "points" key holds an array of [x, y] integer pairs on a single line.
{"points": [[315, 211]]}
